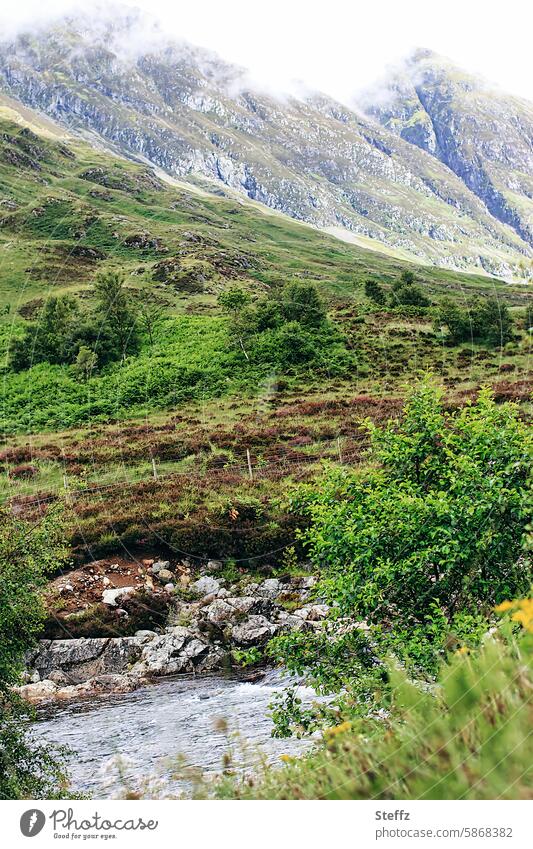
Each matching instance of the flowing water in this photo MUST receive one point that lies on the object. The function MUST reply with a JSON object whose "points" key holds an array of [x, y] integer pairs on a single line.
{"points": [[120, 742]]}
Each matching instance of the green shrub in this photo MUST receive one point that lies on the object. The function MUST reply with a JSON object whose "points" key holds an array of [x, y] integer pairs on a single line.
{"points": [[469, 740], [420, 545]]}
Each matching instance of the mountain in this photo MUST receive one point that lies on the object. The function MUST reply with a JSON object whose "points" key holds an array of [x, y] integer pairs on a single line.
{"points": [[200, 119], [483, 135]]}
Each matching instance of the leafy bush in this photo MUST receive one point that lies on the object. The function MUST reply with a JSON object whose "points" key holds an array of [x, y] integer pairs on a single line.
{"points": [[469, 740], [487, 320], [374, 292], [420, 545], [61, 332], [405, 292], [28, 552]]}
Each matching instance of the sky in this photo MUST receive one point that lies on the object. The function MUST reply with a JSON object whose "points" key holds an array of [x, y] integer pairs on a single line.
{"points": [[336, 46]]}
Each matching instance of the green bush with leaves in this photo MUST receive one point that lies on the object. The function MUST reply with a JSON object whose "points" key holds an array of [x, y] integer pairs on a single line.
{"points": [[420, 545], [290, 330], [109, 332], [481, 320], [469, 738], [405, 292], [29, 551]]}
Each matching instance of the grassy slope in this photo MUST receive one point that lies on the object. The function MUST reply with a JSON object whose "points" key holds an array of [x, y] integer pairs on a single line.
{"points": [[191, 401]]}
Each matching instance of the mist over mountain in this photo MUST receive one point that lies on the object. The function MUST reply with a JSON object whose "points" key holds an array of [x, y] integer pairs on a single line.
{"points": [[439, 170], [482, 134]]}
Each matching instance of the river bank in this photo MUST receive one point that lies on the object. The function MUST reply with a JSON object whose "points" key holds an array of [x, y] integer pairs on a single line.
{"points": [[210, 624]]}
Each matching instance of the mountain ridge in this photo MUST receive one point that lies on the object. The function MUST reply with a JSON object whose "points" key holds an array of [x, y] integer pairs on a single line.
{"points": [[192, 115]]}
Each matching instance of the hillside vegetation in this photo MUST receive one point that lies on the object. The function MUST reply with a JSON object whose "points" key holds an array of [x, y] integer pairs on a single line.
{"points": [[199, 382]]}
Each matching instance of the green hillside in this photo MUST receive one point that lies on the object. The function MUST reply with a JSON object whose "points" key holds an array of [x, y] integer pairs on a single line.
{"points": [[194, 398]]}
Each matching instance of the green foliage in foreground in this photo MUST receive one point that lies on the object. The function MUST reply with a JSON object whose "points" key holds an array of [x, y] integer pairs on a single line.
{"points": [[468, 738], [28, 552], [420, 546]]}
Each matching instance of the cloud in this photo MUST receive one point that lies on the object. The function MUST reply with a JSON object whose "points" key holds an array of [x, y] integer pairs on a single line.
{"points": [[340, 47]]}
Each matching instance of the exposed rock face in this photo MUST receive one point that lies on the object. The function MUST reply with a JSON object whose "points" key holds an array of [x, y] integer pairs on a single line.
{"points": [[85, 658], [218, 620], [484, 136], [314, 159]]}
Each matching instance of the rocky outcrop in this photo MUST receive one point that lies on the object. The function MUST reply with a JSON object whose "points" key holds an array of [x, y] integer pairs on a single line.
{"points": [[209, 619], [314, 159], [482, 135]]}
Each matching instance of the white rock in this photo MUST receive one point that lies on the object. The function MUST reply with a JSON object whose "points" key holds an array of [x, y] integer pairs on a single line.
{"points": [[205, 586], [110, 596]]}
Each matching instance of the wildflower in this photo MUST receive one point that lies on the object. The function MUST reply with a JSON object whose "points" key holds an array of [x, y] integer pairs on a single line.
{"points": [[463, 650], [337, 729], [287, 759], [522, 612], [504, 606]]}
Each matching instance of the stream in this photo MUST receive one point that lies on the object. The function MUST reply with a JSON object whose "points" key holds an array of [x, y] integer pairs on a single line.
{"points": [[136, 741]]}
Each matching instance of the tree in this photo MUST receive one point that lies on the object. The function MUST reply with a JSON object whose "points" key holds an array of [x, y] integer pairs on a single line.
{"points": [[374, 292], [451, 319], [47, 340], [86, 362], [492, 321], [405, 293], [28, 553], [487, 320], [150, 316], [234, 300], [302, 303], [116, 315], [421, 545]]}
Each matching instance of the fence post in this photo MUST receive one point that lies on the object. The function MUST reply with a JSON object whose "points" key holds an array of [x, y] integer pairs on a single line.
{"points": [[250, 471], [154, 469]]}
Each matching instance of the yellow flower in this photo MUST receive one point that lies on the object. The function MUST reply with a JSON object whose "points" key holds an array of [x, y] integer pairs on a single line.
{"points": [[463, 650], [523, 612], [337, 729], [505, 606], [287, 759]]}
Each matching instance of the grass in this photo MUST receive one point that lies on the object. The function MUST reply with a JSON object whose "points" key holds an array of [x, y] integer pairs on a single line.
{"points": [[470, 739], [192, 401]]}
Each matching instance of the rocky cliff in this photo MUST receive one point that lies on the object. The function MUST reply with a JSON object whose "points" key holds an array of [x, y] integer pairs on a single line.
{"points": [[482, 134], [198, 117]]}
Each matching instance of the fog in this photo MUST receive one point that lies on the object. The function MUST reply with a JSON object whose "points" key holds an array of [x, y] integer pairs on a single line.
{"points": [[340, 47]]}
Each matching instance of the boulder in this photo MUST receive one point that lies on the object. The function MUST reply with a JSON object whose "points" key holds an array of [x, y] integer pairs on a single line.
{"points": [[313, 612], [255, 631], [206, 585], [164, 576], [38, 692], [111, 596], [161, 656], [271, 588], [86, 658]]}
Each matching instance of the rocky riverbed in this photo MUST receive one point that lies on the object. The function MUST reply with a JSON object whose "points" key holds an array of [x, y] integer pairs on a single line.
{"points": [[209, 619]]}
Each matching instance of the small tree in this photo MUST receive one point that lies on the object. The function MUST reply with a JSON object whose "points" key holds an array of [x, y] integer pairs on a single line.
{"points": [[47, 339], [302, 303], [374, 292], [421, 545], [116, 313], [150, 316], [86, 362], [234, 301]]}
